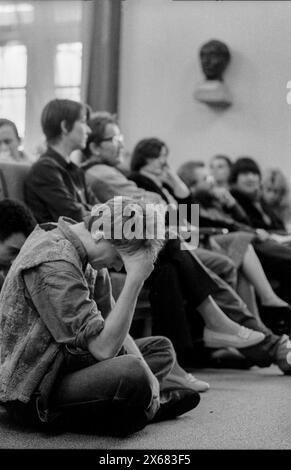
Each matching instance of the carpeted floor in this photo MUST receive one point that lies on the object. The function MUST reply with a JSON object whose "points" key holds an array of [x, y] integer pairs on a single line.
{"points": [[242, 410]]}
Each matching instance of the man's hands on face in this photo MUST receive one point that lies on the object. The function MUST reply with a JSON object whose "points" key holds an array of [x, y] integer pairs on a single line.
{"points": [[138, 265]]}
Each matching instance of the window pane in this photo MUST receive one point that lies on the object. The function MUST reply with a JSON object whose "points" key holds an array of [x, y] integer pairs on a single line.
{"points": [[13, 64], [68, 64], [70, 93], [16, 13], [12, 106]]}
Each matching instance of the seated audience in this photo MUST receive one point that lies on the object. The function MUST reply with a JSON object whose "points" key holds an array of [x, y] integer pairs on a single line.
{"points": [[10, 142], [220, 167], [150, 169], [172, 261], [82, 369], [16, 223], [273, 248], [168, 300], [55, 186], [276, 195], [274, 257]]}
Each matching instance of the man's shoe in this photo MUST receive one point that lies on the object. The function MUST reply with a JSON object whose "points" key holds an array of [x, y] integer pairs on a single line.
{"points": [[283, 355], [229, 358], [278, 319], [243, 339], [175, 403]]}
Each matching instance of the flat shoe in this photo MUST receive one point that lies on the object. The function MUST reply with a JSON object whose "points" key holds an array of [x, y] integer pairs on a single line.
{"points": [[191, 381], [196, 384], [175, 403], [243, 339]]}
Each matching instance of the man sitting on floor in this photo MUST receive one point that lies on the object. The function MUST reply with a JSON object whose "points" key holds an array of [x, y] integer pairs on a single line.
{"points": [[67, 357]]}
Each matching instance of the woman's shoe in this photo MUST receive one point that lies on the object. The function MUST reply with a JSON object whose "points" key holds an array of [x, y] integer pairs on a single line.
{"points": [[196, 384], [189, 380], [243, 339]]}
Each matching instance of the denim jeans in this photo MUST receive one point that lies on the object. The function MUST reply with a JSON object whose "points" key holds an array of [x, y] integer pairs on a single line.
{"points": [[111, 396]]}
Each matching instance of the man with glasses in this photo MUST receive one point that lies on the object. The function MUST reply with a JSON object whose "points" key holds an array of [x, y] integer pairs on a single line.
{"points": [[55, 186]]}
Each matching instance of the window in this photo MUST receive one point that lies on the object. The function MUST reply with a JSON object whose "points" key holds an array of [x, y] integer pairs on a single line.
{"points": [[68, 68], [16, 13], [40, 58], [13, 66]]}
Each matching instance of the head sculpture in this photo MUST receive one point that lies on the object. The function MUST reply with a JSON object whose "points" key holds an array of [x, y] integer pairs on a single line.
{"points": [[215, 57]]}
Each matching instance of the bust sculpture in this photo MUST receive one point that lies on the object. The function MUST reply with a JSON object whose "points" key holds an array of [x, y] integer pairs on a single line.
{"points": [[215, 57]]}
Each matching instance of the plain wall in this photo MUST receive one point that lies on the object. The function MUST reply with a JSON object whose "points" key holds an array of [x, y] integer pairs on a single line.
{"points": [[160, 69]]}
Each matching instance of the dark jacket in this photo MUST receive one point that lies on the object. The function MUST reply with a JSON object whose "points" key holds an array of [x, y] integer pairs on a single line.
{"points": [[212, 213], [55, 188], [146, 183], [258, 217]]}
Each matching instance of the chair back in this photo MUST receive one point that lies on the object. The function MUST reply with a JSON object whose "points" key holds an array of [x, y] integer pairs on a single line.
{"points": [[12, 176]]}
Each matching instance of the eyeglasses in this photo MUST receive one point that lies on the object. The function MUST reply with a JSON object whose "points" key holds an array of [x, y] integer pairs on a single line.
{"points": [[115, 139]]}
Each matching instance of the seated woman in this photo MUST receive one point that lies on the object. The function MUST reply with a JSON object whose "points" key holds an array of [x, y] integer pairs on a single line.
{"points": [[150, 170], [220, 168], [245, 181], [276, 195]]}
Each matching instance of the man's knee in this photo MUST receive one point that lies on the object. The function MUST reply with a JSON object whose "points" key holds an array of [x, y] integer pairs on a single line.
{"points": [[136, 382]]}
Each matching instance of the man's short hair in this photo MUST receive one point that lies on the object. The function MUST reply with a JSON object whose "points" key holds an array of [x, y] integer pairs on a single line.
{"points": [[125, 216], [55, 112], [145, 150], [185, 171], [7, 122], [15, 217], [97, 123]]}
